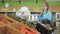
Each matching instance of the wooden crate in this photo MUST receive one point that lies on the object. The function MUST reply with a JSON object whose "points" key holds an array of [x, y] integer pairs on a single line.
{"points": [[2, 28], [9, 20], [7, 29], [11, 30], [18, 25]]}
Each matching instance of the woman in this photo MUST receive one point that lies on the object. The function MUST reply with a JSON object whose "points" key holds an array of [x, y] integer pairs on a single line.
{"points": [[45, 14]]}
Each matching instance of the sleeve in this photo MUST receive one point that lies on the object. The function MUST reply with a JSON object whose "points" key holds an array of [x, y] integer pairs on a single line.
{"points": [[49, 16], [41, 18]]}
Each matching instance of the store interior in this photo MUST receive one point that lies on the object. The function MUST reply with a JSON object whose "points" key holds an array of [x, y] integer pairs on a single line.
{"points": [[22, 17]]}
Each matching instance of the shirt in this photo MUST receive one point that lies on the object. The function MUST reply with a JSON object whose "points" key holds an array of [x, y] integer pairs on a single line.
{"points": [[46, 15]]}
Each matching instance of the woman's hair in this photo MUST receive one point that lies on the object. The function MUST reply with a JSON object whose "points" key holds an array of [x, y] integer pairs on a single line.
{"points": [[46, 3]]}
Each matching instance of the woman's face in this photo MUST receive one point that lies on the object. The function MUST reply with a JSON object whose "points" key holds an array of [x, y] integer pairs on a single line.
{"points": [[44, 6]]}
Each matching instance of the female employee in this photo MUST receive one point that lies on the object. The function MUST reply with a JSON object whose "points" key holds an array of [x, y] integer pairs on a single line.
{"points": [[46, 14]]}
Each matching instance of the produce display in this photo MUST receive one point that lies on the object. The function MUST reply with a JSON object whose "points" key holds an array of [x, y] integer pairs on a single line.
{"points": [[31, 24], [15, 17], [7, 20], [3, 19], [18, 26], [28, 31], [24, 28]]}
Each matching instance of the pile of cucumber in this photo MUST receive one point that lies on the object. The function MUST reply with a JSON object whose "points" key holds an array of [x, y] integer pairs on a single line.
{"points": [[31, 24]]}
